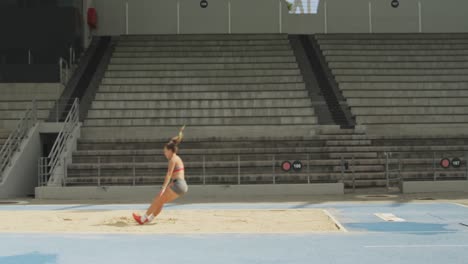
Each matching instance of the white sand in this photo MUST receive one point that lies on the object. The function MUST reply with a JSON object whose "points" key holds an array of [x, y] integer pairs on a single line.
{"points": [[170, 221]]}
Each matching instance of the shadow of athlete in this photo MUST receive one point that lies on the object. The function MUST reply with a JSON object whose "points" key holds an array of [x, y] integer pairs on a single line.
{"points": [[174, 184]]}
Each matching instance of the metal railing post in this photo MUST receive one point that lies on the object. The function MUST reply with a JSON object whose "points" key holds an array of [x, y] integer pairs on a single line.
{"points": [[342, 167], [238, 169], [387, 176], [308, 170], [434, 166], [273, 165], [204, 170], [99, 170], [134, 171], [352, 173]]}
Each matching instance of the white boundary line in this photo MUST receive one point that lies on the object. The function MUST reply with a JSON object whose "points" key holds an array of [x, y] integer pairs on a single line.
{"points": [[340, 226], [459, 204], [415, 246]]}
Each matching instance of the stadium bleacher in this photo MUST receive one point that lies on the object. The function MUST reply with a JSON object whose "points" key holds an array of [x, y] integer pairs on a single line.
{"points": [[398, 80]]}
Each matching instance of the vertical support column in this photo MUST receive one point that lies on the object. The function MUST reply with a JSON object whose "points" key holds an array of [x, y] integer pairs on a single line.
{"points": [[178, 17], [370, 17], [280, 17], [420, 16], [325, 17], [126, 18], [29, 56]]}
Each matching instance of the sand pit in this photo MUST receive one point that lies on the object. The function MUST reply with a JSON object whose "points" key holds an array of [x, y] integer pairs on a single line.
{"points": [[169, 222]]}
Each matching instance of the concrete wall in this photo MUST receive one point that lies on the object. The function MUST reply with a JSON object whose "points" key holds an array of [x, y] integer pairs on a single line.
{"points": [[263, 16], [20, 178], [125, 193], [435, 186]]}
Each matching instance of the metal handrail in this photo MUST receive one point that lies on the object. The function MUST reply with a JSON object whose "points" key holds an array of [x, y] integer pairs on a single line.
{"points": [[17, 136], [433, 158], [48, 165]]}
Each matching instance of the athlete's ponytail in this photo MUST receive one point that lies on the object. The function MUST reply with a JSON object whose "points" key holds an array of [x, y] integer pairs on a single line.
{"points": [[173, 144]]}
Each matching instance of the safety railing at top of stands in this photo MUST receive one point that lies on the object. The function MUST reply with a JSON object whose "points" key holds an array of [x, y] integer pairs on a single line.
{"points": [[48, 165], [430, 165], [15, 138]]}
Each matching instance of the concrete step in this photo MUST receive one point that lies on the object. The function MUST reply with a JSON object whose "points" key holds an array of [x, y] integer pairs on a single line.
{"points": [[199, 60], [348, 143], [23, 105], [404, 93], [229, 121], [355, 155], [18, 114], [224, 54], [411, 119], [199, 131], [18, 97], [280, 47], [382, 86], [379, 102], [196, 160], [410, 52], [385, 36], [174, 43], [204, 80], [394, 72], [31, 88], [203, 88], [361, 168], [407, 58], [202, 73], [396, 65], [189, 113], [201, 66], [336, 130], [302, 151], [392, 41], [207, 143], [411, 110], [182, 37], [9, 124], [399, 78], [408, 46], [194, 104], [180, 96]]}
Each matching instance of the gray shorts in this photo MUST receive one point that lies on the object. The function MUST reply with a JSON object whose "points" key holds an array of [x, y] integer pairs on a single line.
{"points": [[179, 186]]}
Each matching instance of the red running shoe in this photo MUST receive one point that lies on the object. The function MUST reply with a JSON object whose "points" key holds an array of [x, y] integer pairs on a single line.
{"points": [[138, 219]]}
